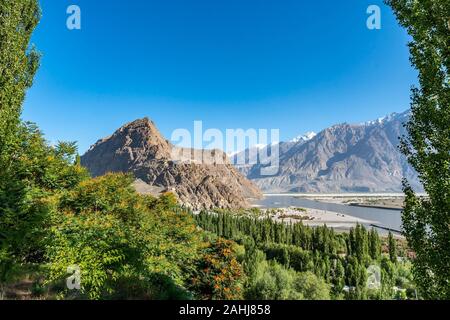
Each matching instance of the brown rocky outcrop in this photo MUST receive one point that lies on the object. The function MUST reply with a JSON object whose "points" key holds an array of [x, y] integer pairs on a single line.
{"points": [[200, 178]]}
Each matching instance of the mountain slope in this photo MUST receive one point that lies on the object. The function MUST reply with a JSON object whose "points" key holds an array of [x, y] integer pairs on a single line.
{"points": [[139, 148], [342, 158]]}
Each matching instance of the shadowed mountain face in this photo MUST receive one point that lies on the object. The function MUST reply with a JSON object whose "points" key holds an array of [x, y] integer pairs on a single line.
{"points": [[343, 158], [139, 148]]}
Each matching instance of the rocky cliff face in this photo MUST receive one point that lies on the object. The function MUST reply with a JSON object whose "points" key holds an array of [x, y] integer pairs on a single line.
{"points": [[342, 158], [139, 148]]}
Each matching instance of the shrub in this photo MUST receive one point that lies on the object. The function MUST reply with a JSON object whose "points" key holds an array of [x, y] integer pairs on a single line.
{"points": [[115, 235]]}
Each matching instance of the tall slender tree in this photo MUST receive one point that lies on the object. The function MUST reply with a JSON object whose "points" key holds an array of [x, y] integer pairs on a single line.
{"points": [[392, 248], [426, 220], [18, 65], [374, 245]]}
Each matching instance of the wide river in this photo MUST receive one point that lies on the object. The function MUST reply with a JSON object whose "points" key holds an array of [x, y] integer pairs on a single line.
{"points": [[383, 218]]}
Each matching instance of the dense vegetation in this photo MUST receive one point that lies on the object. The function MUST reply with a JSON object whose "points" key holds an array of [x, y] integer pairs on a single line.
{"points": [[427, 220], [289, 261]]}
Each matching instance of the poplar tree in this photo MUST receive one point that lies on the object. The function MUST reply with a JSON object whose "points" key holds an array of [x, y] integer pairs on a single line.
{"points": [[392, 248], [374, 245], [426, 220], [18, 65]]}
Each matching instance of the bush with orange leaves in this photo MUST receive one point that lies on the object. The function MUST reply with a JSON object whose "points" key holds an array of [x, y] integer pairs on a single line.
{"points": [[219, 275]]}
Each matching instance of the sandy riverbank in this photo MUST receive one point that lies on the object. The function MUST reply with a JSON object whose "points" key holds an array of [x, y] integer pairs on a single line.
{"points": [[315, 217], [370, 200]]}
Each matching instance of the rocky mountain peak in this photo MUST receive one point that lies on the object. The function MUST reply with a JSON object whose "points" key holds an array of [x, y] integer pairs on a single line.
{"points": [[139, 148], [130, 145], [143, 136]]}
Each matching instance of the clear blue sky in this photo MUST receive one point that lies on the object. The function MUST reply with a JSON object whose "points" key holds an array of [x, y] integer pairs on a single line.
{"points": [[296, 65]]}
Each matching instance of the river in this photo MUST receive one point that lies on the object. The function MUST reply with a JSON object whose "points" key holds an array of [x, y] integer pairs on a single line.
{"points": [[383, 218]]}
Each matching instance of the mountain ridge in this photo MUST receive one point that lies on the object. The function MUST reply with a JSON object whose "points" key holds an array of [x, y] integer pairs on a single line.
{"points": [[342, 158]]}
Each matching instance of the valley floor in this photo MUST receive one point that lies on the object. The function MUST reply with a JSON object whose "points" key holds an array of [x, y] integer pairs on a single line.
{"points": [[338, 211], [382, 201], [316, 217]]}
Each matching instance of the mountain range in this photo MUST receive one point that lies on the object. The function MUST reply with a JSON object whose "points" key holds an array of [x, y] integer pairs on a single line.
{"points": [[343, 158]]}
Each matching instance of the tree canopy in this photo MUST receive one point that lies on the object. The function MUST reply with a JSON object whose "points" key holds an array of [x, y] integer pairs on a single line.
{"points": [[426, 220]]}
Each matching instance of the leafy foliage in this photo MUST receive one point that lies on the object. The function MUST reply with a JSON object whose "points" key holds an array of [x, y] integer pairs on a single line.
{"points": [[116, 236], [36, 171], [269, 280], [426, 221], [392, 248], [18, 64], [278, 255], [218, 274], [17, 68], [30, 170]]}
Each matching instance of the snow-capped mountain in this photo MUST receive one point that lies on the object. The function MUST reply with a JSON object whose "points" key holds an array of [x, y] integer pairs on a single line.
{"points": [[343, 158], [304, 137], [258, 146], [404, 116]]}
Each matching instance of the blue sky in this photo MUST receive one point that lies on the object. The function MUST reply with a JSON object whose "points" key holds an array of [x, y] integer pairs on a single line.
{"points": [[295, 65]]}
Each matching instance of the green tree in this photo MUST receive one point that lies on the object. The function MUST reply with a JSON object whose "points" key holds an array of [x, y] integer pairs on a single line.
{"points": [[312, 287], [253, 258], [38, 172], [273, 282], [392, 246], [426, 221], [218, 274], [126, 245], [18, 64], [338, 278], [387, 278], [374, 245]]}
